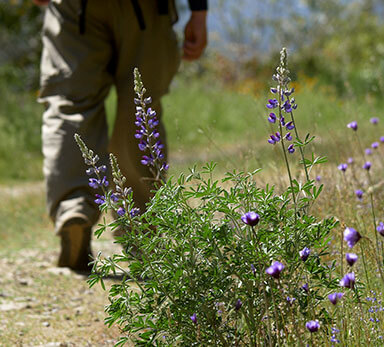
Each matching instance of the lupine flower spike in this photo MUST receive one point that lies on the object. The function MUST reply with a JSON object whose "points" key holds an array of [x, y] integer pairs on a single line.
{"points": [[147, 134]]}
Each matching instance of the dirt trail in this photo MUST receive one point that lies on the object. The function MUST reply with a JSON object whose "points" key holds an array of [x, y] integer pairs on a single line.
{"points": [[40, 304]]}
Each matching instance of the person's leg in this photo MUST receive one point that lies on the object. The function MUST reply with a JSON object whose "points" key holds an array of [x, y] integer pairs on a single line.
{"points": [[74, 83], [155, 52]]}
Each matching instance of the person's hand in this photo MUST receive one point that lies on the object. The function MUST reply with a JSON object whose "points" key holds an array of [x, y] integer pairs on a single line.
{"points": [[41, 2], [195, 36]]}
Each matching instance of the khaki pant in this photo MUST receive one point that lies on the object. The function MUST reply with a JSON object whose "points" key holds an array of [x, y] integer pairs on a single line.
{"points": [[77, 71]]}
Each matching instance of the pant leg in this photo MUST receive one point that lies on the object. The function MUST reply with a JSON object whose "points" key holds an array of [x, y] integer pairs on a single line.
{"points": [[74, 83], [155, 52]]}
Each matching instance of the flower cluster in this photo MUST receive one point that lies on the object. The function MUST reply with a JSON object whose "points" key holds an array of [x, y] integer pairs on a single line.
{"points": [[147, 134], [283, 103]]}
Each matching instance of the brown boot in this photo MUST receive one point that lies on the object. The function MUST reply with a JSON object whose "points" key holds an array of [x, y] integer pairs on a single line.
{"points": [[75, 245]]}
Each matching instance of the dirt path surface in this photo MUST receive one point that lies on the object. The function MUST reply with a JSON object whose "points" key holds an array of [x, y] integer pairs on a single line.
{"points": [[40, 304]]}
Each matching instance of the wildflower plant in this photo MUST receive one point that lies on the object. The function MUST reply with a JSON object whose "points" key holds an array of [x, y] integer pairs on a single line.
{"points": [[218, 261]]}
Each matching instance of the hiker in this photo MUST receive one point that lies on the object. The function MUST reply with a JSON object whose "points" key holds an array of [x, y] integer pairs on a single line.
{"points": [[88, 46]]}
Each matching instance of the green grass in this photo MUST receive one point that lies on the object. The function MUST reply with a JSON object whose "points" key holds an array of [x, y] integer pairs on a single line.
{"points": [[20, 123], [204, 122]]}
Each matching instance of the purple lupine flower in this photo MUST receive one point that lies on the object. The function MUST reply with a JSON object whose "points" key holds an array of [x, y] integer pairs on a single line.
{"points": [[102, 168], [238, 305], [291, 300], [165, 166], [335, 297], [142, 145], [305, 287], [287, 107], [312, 326], [374, 120], [251, 218], [342, 167], [368, 151], [367, 165], [273, 90], [90, 171], [291, 148], [290, 125], [350, 161], [352, 125], [121, 211], [274, 138], [100, 199], [304, 253], [288, 136], [94, 183], [289, 92], [158, 145], [375, 145], [351, 237], [348, 281], [134, 212], [272, 118], [275, 269], [380, 228], [104, 182], [155, 134], [359, 194], [194, 318], [282, 120], [272, 103], [147, 160], [253, 269], [114, 197], [140, 133], [381, 138], [318, 178], [351, 258]]}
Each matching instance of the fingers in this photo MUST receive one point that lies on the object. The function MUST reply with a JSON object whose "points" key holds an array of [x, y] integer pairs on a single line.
{"points": [[192, 50]]}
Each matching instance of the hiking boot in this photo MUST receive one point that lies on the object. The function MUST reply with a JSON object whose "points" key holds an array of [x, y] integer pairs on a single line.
{"points": [[76, 245]]}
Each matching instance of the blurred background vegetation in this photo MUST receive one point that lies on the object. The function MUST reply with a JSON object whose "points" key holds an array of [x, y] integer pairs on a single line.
{"points": [[336, 52]]}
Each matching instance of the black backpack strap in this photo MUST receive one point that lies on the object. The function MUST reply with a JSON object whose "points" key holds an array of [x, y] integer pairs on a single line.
{"points": [[83, 10], [139, 14]]}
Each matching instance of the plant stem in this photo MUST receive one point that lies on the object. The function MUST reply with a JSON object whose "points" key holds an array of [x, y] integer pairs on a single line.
{"points": [[289, 172], [300, 148]]}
